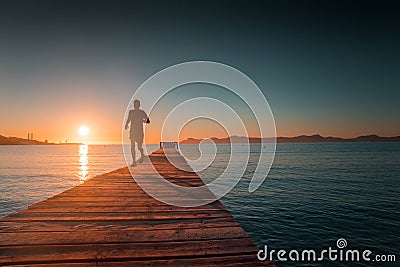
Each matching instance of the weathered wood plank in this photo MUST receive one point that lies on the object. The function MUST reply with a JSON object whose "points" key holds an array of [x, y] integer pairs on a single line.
{"points": [[110, 236], [111, 198], [71, 203], [231, 260], [140, 250], [50, 216], [114, 208], [102, 225]]}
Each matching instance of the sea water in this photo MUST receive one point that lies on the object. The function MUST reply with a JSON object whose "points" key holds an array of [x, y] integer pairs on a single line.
{"points": [[315, 193]]}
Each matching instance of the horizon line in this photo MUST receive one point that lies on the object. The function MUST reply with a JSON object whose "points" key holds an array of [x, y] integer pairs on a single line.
{"points": [[192, 138]]}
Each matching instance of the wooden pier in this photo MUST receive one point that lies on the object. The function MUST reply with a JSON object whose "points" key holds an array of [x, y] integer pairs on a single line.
{"points": [[110, 221]]}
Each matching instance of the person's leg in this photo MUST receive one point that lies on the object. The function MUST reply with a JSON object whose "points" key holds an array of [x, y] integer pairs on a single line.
{"points": [[140, 147], [133, 152]]}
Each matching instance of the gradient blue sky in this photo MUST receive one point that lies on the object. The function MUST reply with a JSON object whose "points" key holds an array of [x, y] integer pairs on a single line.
{"points": [[328, 67]]}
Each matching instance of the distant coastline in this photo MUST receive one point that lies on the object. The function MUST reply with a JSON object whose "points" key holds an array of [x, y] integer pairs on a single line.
{"points": [[234, 139], [21, 141], [297, 139]]}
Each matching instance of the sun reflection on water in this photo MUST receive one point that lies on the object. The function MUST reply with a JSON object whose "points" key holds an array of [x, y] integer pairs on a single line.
{"points": [[83, 171]]}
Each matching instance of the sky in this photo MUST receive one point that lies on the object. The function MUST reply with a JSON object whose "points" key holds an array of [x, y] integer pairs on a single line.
{"points": [[326, 67]]}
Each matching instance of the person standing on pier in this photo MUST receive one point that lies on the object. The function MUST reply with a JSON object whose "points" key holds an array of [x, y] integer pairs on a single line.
{"points": [[136, 118]]}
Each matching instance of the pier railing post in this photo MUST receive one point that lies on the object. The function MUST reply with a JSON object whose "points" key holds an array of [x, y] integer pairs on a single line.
{"points": [[169, 144]]}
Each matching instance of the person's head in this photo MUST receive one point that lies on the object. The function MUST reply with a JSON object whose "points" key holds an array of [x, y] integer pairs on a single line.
{"points": [[136, 104]]}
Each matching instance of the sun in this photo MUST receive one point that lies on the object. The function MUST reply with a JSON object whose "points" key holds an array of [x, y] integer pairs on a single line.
{"points": [[83, 130]]}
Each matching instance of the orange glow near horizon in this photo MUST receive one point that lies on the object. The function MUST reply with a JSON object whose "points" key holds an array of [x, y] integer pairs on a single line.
{"points": [[54, 113], [113, 135], [191, 130], [104, 129]]}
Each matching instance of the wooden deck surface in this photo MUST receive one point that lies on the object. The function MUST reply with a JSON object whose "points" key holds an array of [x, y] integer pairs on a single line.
{"points": [[110, 221]]}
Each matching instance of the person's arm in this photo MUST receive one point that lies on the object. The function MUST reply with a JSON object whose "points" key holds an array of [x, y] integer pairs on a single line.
{"points": [[146, 119], [128, 121]]}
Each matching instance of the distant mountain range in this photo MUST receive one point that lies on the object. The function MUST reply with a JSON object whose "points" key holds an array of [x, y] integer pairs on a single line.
{"points": [[297, 139], [235, 139], [21, 141]]}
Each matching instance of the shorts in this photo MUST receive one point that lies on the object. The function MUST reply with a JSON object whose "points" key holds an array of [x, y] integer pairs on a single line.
{"points": [[136, 138]]}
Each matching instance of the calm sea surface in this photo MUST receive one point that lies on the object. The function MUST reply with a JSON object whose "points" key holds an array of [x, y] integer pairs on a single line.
{"points": [[315, 193]]}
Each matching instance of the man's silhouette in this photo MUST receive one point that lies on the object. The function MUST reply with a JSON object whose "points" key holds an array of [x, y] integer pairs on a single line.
{"points": [[136, 117]]}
